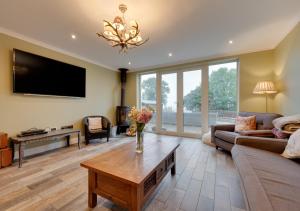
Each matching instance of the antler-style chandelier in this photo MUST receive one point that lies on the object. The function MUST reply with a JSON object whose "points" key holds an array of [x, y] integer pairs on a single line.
{"points": [[119, 33]]}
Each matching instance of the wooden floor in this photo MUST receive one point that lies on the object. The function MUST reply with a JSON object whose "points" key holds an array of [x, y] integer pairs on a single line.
{"points": [[206, 180]]}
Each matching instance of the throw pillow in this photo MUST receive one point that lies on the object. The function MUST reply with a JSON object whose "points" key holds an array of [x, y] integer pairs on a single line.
{"points": [[279, 134], [292, 149], [95, 123], [245, 123]]}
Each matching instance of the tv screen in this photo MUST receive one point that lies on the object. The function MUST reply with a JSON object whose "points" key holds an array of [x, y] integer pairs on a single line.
{"points": [[33, 74]]}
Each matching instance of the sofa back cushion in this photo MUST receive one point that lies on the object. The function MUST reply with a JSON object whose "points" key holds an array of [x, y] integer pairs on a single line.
{"points": [[263, 120]]}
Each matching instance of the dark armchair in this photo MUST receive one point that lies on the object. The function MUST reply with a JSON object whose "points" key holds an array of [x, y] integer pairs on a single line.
{"points": [[104, 132], [224, 136]]}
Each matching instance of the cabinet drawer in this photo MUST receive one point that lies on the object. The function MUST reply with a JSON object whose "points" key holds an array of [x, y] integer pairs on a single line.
{"points": [[5, 157], [161, 169], [3, 140]]}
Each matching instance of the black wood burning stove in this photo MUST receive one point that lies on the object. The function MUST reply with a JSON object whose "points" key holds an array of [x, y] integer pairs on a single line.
{"points": [[122, 110]]}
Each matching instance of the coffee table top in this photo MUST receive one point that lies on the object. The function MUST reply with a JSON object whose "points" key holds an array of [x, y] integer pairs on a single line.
{"points": [[125, 164]]}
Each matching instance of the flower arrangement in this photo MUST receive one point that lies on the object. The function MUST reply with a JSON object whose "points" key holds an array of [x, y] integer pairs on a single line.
{"points": [[140, 118], [131, 130]]}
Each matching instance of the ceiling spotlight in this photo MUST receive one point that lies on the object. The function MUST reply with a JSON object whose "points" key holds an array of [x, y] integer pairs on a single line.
{"points": [[73, 36], [230, 41], [170, 54]]}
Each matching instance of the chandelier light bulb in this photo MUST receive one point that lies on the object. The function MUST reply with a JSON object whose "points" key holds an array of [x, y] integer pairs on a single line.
{"points": [[137, 39], [132, 31]]}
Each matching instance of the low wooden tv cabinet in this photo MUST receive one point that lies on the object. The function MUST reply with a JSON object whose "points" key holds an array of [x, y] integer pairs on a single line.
{"points": [[21, 141], [128, 178]]}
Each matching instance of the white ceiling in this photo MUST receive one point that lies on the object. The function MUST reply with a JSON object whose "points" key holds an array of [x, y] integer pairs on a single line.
{"points": [[190, 29]]}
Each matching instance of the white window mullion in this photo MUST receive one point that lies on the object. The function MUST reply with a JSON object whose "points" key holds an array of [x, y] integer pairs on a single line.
{"points": [[158, 102], [138, 91], [204, 99], [180, 114]]}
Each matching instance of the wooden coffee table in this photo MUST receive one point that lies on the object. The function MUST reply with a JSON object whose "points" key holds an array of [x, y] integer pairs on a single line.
{"points": [[128, 178]]}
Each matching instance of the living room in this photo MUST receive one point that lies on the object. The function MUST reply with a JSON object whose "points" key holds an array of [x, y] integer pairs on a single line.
{"points": [[189, 110]]}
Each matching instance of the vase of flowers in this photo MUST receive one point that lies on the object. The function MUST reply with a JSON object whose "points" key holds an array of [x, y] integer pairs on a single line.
{"points": [[140, 118]]}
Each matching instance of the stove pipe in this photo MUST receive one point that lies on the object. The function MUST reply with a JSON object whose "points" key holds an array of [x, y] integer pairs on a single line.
{"points": [[123, 84]]}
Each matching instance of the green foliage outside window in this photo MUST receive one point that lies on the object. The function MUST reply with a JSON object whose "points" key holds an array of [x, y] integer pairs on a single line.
{"points": [[222, 92]]}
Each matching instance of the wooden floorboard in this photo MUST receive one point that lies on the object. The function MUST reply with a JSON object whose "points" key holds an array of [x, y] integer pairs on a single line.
{"points": [[206, 180]]}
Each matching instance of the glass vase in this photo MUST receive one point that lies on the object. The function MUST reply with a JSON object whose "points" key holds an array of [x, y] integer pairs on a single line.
{"points": [[139, 141]]}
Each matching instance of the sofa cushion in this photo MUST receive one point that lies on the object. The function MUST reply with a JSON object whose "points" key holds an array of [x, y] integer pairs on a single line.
{"points": [[95, 123], [226, 136], [257, 133], [269, 181], [98, 131]]}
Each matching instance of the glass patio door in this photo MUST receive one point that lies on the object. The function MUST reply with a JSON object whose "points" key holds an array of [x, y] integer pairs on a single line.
{"points": [[223, 92], [148, 97], [192, 81], [169, 102], [180, 103]]}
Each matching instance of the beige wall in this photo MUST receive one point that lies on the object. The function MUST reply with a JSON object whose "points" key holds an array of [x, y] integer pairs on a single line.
{"points": [[253, 67], [19, 112], [131, 89], [287, 74]]}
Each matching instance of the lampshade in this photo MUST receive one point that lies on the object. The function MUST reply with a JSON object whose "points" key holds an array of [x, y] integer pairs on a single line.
{"points": [[264, 87]]}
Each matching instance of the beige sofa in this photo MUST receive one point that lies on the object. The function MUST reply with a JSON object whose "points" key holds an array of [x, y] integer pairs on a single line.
{"points": [[269, 181]]}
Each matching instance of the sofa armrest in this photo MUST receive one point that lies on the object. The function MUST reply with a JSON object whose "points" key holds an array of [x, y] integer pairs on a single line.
{"points": [[268, 144], [214, 128], [229, 128]]}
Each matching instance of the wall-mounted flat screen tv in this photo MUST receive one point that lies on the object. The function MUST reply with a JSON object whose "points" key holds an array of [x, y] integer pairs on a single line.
{"points": [[37, 75]]}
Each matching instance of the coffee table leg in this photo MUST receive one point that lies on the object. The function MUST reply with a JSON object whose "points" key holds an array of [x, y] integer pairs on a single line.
{"points": [[68, 140], [136, 203], [134, 208], [173, 169], [92, 197], [21, 154]]}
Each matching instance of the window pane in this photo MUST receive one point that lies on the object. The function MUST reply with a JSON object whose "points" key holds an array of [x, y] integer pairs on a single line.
{"points": [[148, 97], [222, 93], [169, 101], [192, 101]]}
